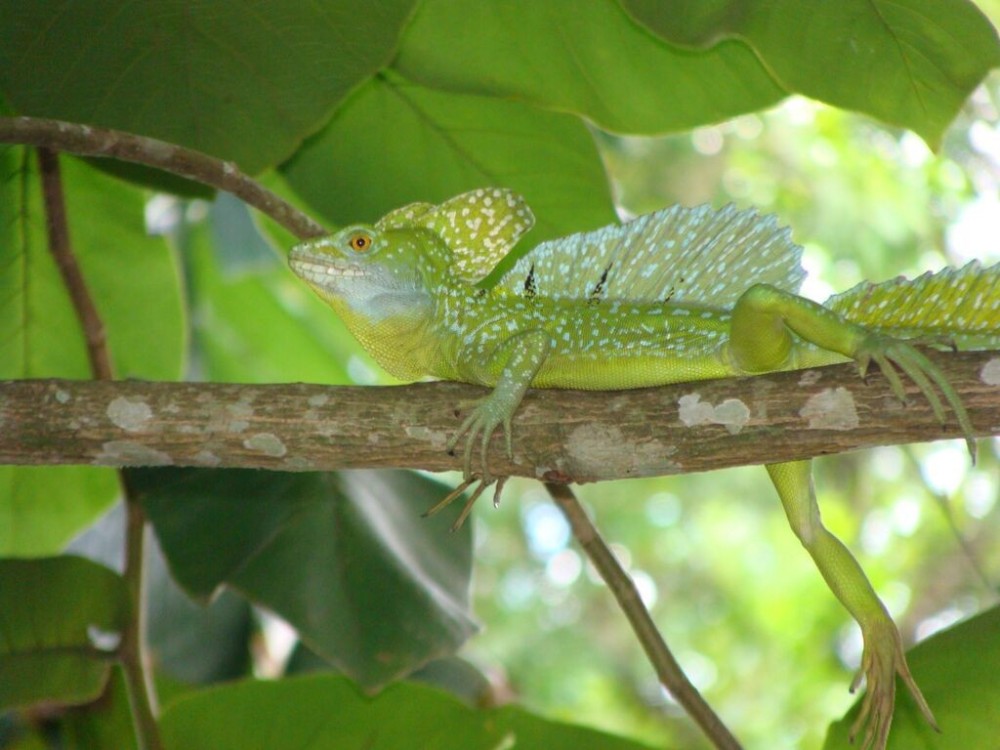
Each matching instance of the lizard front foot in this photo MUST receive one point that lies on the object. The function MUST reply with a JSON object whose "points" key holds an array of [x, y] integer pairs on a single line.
{"points": [[889, 353], [448, 499], [485, 416], [882, 660]]}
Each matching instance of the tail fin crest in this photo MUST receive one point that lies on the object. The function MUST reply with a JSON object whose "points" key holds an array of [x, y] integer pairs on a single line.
{"points": [[962, 304]]}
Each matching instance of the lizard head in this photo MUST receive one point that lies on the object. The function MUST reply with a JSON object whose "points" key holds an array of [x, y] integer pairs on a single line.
{"points": [[411, 255], [365, 270]]}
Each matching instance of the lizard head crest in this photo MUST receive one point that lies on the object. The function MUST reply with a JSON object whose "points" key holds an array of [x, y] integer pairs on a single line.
{"points": [[478, 227]]}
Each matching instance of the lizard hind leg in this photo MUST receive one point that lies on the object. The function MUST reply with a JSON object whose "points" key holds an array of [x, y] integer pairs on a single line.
{"points": [[760, 340], [883, 658]]}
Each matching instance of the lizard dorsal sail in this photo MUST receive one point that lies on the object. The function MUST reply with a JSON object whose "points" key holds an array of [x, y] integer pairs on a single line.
{"points": [[479, 227], [699, 256]]}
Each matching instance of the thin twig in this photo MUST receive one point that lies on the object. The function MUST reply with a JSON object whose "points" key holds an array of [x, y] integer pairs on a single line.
{"points": [[86, 140], [137, 682], [667, 669], [59, 245]]}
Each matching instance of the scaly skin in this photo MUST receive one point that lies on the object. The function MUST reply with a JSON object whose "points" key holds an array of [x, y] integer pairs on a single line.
{"points": [[680, 295]]}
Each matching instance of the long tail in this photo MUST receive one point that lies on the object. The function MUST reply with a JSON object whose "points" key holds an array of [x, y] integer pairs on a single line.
{"points": [[959, 304]]}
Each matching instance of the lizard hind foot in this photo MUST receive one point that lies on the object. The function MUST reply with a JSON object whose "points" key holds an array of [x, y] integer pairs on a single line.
{"points": [[882, 661], [942, 341], [890, 353]]}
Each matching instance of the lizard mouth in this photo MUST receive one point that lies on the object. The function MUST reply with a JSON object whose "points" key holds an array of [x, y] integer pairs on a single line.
{"points": [[317, 268]]}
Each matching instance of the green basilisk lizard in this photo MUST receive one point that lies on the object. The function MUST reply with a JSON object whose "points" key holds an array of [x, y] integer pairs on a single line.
{"points": [[681, 294]]}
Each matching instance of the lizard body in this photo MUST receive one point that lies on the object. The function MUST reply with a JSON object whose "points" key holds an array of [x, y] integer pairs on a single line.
{"points": [[682, 294]]}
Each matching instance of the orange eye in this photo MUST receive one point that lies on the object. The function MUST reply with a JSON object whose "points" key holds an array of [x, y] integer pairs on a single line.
{"points": [[360, 243]]}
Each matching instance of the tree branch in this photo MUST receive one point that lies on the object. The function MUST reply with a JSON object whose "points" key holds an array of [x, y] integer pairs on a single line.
{"points": [[623, 588], [86, 140], [560, 436]]}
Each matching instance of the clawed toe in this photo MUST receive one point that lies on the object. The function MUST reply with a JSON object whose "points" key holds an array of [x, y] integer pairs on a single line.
{"points": [[889, 354], [448, 499], [883, 659]]}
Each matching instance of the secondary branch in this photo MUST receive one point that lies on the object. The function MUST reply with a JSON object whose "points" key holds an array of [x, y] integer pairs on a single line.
{"points": [[621, 585], [559, 436], [87, 140]]}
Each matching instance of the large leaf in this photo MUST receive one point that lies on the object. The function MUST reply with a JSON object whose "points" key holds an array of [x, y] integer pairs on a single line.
{"points": [[41, 507], [957, 672], [62, 619], [134, 281], [326, 711], [908, 62], [104, 724], [97, 725], [591, 59], [240, 81], [346, 559], [452, 674], [395, 142], [131, 275]]}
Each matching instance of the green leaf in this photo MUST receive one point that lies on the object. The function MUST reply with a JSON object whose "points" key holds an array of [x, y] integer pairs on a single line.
{"points": [[188, 643], [309, 547], [191, 643], [911, 63], [42, 507], [62, 619], [395, 143], [452, 674], [133, 276], [532, 731], [956, 670], [134, 282], [592, 60], [105, 724], [325, 711], [241, 82]]}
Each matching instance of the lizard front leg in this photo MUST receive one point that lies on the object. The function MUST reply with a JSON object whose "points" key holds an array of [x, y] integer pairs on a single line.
{"points": [[520, 358]]}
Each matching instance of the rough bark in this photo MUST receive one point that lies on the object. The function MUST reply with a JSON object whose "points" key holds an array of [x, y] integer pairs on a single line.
{"points": [[558, 435]]}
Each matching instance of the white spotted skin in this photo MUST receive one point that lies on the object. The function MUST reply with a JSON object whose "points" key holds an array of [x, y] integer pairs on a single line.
{"points": [[478, 228], [682, 294], [686, 256], [602, 346]]}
